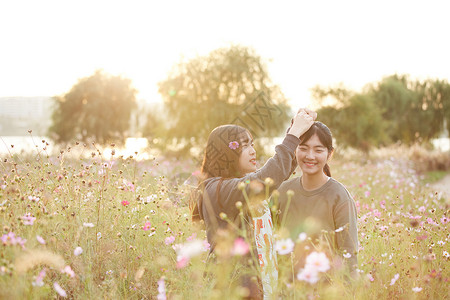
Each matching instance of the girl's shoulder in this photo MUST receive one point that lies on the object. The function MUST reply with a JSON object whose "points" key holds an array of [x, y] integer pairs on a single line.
{"points": [[340, 189], [289, 184]]}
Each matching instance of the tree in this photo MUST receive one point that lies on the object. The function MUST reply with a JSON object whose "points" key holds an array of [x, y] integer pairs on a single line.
{"points": [[414, 109], [230, 85], [97, 107], [357, 123]]}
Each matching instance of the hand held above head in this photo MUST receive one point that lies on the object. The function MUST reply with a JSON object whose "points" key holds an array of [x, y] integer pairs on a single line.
{"points": [[302, 122]]}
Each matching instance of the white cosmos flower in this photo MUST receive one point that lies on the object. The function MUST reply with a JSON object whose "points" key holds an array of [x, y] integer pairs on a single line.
{"points": [[285, 246], [309, 275], [77, 251], [318, 261]]}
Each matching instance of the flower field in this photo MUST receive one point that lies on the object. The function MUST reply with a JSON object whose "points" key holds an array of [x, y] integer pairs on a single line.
{"points": [[79, 225]]}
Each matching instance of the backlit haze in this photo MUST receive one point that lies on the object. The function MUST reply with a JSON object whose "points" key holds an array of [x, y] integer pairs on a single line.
{"points": [[46, 46]]}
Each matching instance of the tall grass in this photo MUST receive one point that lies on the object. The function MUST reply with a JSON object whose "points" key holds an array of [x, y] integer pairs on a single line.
{"points": [[81, 226]]}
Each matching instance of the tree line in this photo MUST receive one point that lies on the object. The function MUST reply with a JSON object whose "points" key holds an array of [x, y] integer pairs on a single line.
{"points": [[395, 110], [232, 85]]}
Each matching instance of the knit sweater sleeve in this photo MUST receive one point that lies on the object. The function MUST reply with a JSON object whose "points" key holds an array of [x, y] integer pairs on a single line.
{"points": [[345, 217], [279, 168]]}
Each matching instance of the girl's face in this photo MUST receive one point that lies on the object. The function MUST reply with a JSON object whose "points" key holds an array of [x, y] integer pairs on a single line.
{"points": [[312, 156], [247, 159]]}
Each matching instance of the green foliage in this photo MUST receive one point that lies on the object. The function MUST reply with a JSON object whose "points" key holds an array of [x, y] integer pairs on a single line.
{"points": [[97, 107], [230, 85], [414, 110], [356, 124], [396, 109]]}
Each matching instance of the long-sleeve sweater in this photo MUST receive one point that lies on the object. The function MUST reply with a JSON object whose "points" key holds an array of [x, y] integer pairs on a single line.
{"points": [[279, 168], [330, 208]]}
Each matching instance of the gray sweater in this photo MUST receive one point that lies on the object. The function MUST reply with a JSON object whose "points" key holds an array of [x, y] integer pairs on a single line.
{"points": [[213, 202], [330, 208]]}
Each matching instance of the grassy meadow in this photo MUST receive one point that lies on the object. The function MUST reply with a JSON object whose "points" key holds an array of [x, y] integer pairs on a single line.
{"points": [[79, 225]]}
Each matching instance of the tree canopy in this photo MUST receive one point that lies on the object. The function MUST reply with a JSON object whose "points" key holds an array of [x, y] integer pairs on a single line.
{"points": [[98, 107], [396, 109], [230, 85]]}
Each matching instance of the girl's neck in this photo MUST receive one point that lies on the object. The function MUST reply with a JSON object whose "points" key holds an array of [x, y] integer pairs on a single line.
{"points": [[313, 182]]}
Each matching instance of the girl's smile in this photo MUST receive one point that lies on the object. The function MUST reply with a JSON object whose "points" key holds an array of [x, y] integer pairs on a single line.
{"points": [[312, 156]]}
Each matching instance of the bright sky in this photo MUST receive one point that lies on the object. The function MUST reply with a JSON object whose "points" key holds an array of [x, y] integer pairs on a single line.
{"points": [[46, 46]]}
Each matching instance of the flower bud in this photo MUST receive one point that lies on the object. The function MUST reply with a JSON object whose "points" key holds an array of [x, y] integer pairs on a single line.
{"points": [[268, 181], [290, 193], [241, 186]]}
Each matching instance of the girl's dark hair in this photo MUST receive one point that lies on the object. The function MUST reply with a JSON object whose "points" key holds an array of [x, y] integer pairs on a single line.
{"points": [[221, 159], [223, 149], [325, 137]]}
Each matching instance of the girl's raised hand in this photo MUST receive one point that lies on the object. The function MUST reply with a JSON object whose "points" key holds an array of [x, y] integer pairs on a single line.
{"points": [[302, 122]]}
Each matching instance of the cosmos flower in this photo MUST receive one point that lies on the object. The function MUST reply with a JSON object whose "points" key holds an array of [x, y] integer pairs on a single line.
{"points": [[39, 280], [77, 251], [68, 270], [318, 261], [147, 226], [59, 290], [416, 289], [40, 239], [161, 289], [393, 280], [28, 219], [169, 240], [233, 145], [309, 275], [240, 247], [302, 236], [285, 246], [125, 203]]}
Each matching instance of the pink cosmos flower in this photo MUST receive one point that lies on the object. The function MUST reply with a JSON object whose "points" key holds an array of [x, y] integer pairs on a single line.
{"points": [[11, 239], [192, 237], [39, 280], [240, 247], [33, 198], [444, 220], [233, 145], [59, 290], [68, 270], [393, 280], [376, 213], [125, 203], [422, 209], [28, 219], [431, 221], [161, 289], [370, 277], [147, 226], [187, 251], [40, 239], [169, 240]]}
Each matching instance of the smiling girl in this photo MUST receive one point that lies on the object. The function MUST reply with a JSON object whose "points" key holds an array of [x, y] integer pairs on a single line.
{"points": [[320, 203]]}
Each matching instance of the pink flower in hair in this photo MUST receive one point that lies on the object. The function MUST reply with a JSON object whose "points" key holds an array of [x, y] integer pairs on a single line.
{"points": [[233, 145]]}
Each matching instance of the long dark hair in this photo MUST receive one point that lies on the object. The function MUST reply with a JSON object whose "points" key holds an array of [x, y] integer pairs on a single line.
{"points": [[221, 159], [325, 137]]}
